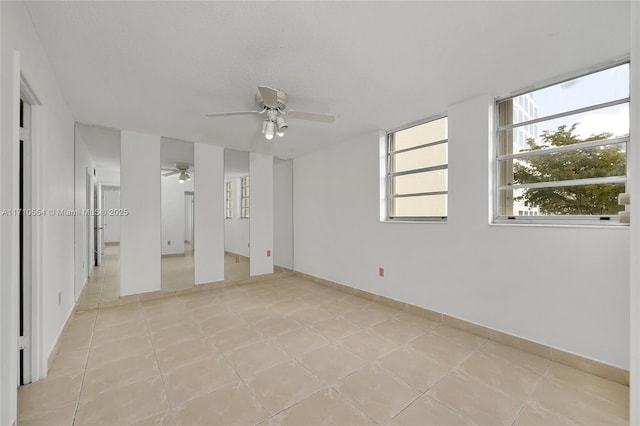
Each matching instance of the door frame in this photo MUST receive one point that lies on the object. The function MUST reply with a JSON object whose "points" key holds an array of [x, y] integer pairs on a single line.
{"points": [[36, 358]]}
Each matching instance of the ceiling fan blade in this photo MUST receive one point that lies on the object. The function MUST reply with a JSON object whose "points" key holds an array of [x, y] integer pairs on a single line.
{"points": [[269, 96], [175, 172], [323, 118], [226, 114]]}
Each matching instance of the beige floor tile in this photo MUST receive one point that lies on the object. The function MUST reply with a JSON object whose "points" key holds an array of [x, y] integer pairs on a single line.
{"points": [[163, 418], [125, 404], [325, 407], [366, 317], [61, 415], [72, 362], [368, 344], [105, 335], [198, 378], [276, 325], [229, 405], [377, 393], [160, 323], [460, 337], [118, 349], [597, 386], [249, 360], [398, 331], [584, 408], [300, 341], [441, 349], [204, 313], [48, 394], [335, 328], [76, 341], [109, 317], [477, 401], [533, 416], [233, 338], [117, 373], [426, 411], [413, 368], [331, 363], [516, 357], [221, 322], [177, 333], [505, 377], [310, 316], [182, 353], [418, 321], [288, 337], [282, 386]]}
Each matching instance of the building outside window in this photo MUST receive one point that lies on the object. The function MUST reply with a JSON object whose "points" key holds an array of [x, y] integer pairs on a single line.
{"points": [[416, 174]]}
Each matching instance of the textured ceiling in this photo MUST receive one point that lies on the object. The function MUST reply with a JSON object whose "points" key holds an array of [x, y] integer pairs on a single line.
{"points": [[158, 67]]}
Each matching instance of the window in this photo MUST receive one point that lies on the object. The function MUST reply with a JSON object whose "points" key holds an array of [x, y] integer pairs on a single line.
{"points": [[244, 197], [416, 176], [229, 200], [565, 158]]}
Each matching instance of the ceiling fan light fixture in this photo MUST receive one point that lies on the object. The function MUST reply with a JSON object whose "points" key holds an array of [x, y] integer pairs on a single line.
{"points": [[184, 176], [281, 126], [269, 132]]}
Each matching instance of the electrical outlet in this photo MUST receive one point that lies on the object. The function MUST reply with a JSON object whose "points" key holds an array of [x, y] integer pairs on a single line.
{"points": [[268, 253], [381, 272]]}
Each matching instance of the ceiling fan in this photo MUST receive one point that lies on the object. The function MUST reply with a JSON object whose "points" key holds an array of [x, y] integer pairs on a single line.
{"points": [[183, 169], [273, 103]]}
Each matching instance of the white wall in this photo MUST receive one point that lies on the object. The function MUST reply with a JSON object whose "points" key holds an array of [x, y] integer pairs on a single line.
{"points": [[111, 222], [173, 211], [261, 213], [283, 213], [209, 214], [140, 193], [56, 174], [236, 229], [109, 177], [564, 287]]}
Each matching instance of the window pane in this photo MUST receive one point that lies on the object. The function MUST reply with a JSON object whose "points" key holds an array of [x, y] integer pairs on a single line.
{"points": [[585, 163], [419, 182], [604, 86], [432, 131], [604, 123], [595, 200], [419, 158], [427, 205]]}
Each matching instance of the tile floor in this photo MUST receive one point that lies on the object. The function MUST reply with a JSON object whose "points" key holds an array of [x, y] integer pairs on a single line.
{"points": [[291, 352], [178, 271], [104, 283]]}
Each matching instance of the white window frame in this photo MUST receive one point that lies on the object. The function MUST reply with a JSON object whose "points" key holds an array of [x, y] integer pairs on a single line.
{"points": [[558, 220], [387, 175], [244, 184], [228, 199]]}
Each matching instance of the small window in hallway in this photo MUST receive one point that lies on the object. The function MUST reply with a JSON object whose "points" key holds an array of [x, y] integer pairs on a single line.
{"points": [[244, 199]]}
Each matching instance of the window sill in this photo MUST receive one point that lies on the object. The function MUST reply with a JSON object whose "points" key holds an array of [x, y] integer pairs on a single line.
{"points": [[568, 223], [433, 221]]}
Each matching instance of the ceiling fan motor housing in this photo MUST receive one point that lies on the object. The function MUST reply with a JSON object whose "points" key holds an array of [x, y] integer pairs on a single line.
{"points": [[282, 101]]}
